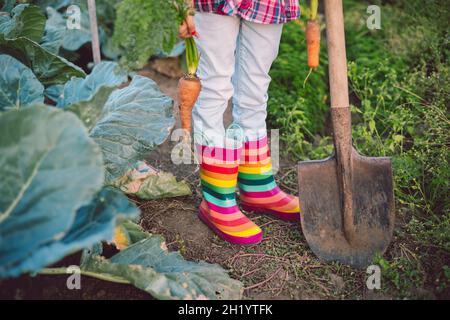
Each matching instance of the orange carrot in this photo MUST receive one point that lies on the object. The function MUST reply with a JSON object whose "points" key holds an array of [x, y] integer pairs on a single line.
{"points": [[313, 43], [189, 88], [313, 39]]}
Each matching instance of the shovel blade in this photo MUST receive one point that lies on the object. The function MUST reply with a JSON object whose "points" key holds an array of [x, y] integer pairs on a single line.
{"points": [[322, 215]]}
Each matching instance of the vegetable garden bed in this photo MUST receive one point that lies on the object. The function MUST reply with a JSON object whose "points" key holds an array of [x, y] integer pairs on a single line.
{"points": [[76, 155]]}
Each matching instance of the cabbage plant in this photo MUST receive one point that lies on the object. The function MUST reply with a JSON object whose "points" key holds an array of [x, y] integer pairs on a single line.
{"points": [[59, 162], [52, 173]]}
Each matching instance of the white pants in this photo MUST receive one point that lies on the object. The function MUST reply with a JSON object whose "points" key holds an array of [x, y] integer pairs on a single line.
{"points": [[236, 56]]}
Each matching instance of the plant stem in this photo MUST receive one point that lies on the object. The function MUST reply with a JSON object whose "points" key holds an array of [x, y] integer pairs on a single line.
{"points": [[314, 8], [192, 56], [100, 276]]}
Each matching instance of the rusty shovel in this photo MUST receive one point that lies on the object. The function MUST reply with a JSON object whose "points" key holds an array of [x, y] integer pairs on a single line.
{"points": [[347, 200]]}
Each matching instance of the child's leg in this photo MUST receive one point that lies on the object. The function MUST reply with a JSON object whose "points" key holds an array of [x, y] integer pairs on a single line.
{"points": [[219, 166], [217, 44], [256, 50]]}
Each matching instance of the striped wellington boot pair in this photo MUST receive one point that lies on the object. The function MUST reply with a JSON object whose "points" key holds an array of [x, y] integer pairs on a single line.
{"points": [[219, 175]]}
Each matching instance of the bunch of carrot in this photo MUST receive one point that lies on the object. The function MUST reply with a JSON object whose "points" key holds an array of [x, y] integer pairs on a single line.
{"points": [[189, 86], [313, 38]]}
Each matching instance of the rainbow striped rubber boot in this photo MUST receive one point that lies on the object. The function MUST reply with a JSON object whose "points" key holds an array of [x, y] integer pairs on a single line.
{"points": [[219, 210], [258, 190]]}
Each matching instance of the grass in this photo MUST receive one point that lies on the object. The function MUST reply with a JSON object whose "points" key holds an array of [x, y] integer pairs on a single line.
{"points": [[399, 80], [300, 108]]}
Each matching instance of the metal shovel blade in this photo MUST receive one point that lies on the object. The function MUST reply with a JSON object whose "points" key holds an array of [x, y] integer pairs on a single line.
{"points": [[322, 213]]}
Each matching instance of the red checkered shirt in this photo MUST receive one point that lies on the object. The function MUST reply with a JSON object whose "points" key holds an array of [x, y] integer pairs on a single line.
{"points": [[261, 11]]}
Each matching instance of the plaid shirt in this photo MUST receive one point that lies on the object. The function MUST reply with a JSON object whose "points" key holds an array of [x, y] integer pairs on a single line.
{"points": [[261, 11]]}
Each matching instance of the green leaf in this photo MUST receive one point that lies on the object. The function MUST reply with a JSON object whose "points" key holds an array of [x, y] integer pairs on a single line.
{"points": [[144, 27], [155, 186], [134, 120], [134, 231], [49, 68], [105, 74], [56, 4], [165, 275], [58, 35], [372, 125], [98, 218], [8, 5], [27, 21], [49, 168], [55, 30], [126, 233], [91, 110], [398, 138], [54, 92], [93, 223], [110, 50], [18, 85], [52, 40]]}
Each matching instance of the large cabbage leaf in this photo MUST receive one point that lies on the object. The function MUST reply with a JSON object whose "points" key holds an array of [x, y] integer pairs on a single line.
{"points": [[134, 120], [126, 123], [18, 85], [105, 74], [58, 35], [49, 68], [93, 223], [49, 168], [148, 265], [26, 21], [54, 32]]}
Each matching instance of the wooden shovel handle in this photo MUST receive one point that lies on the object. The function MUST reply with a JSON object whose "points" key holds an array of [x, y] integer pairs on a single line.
{"points": [[94, 31], [340, 109]]}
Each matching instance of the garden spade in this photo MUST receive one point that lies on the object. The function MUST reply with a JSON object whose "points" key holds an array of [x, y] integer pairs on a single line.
{"points": [[347, 200]]}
